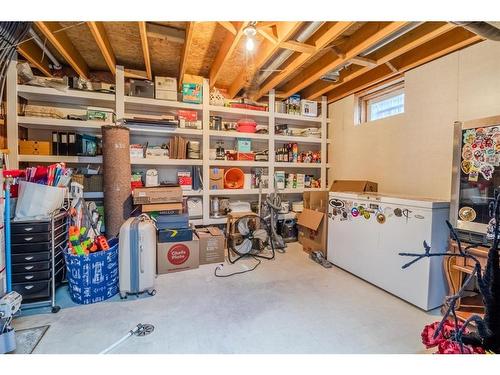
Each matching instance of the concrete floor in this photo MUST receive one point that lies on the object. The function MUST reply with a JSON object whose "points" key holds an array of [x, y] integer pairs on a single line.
{"points": [[289, 305]]}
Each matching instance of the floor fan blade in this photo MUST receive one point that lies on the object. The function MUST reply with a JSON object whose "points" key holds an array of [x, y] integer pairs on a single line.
{"points": [[243, 226], [244, 248], [260, 234]]}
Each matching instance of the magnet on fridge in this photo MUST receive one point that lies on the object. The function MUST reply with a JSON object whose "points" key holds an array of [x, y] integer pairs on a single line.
{"points": [[467, 214], [380, 218], [388, 212], [473, 176], [398, 212], [467, 154], [467, 166], [487, 171], [366, 215], [417, 216], [354, 212], [336, 203]]}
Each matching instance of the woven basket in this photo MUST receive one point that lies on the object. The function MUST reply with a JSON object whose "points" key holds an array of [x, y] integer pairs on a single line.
{"points": [[77, 178], [93, 183]]}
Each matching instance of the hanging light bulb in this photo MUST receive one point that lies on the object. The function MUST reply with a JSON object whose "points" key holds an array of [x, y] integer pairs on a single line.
{"points": [[250, 44]]}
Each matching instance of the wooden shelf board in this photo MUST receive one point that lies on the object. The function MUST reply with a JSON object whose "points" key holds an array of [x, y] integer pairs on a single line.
{"points": [[235, 134], [278, 165], [237, 191], [60, 158], [165, 161], [286, 138], [239, 163], [283, 118], [68, 96], [237, 113], [134, 103]]}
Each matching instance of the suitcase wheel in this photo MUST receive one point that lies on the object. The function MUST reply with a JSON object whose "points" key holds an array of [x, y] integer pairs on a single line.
{"points": [[152, 292], [123, 295]]}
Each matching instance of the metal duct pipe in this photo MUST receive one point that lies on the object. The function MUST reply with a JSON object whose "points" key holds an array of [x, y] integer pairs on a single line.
{"points": [[481, 28], [284, 55], [389, 38], [36, 38]]}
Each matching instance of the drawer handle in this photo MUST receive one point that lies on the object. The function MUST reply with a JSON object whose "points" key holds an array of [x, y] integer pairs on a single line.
{"points": [[29, 277], [28, 238], [28, 229], [28, 287], [27, 268], [28, 258]]}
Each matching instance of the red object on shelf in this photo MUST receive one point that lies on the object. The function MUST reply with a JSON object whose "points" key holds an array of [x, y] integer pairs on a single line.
{"points": [[250, 156], [136, 184], [249, 106], [188, 115], [234, 178], [246, 126]]}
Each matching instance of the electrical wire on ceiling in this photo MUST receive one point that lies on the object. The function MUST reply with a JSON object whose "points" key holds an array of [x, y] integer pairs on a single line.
{"points": [[11, 34]]}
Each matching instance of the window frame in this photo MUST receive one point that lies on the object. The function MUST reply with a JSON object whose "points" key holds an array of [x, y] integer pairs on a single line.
{"points": [[381, 92]]}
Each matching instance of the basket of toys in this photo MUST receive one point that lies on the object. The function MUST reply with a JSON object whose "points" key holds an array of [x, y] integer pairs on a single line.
{"points": [[92, 267]]}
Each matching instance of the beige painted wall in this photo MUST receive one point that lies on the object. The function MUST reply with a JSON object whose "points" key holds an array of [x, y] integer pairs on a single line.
{"points": [[411, 153]]}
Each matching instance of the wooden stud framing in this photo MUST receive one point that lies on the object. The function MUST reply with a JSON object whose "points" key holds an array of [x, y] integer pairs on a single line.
{"points": [[229, 26], [145, 48], [403, 44], [364, 38], [225, 51], [266, 50], [363, 61], [270, 36], [63, 44], [185, 51], [446, 43], [298, 47], [35, 56], [329, 33], [101, 38]]}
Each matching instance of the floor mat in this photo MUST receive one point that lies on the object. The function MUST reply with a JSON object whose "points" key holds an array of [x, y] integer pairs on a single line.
{"points": [[28, 339]]}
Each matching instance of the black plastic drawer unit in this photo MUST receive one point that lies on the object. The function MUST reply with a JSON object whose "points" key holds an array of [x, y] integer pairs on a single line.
{"points": [[30, 257], [26, 227], [33, 290], [30, 276], [31, 267]]}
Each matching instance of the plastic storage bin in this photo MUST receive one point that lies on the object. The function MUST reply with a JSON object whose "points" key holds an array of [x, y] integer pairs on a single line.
{"points": [[93, 278]]}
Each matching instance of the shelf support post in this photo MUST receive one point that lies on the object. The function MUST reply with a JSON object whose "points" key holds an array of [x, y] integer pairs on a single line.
{"points": [[12, 127]]}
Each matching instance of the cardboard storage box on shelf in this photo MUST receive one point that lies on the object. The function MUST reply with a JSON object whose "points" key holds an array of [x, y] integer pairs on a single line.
{"points": [[354, 186], [165, 83], [211, 245], [178, 256], [157, 194], [216, 176], [192, 88], [34, 148]]}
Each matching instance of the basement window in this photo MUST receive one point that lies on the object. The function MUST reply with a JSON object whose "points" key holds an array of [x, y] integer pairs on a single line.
{"points": [[384, 101]]}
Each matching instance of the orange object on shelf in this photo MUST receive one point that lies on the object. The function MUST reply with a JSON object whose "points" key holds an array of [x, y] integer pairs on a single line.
{"points": [[234, 178], [248, 156]]}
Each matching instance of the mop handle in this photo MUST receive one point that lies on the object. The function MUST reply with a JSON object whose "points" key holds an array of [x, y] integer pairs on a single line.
{"points": [[114, 345]]}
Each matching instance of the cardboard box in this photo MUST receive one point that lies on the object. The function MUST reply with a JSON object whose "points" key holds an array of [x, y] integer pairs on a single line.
{"points": [[354, 186], [175, 235], [211, 245], [308, 108], [162, 207], [216, 176], [316, 200], [34, 148], [243, 145], [166, 95], [157, 194], [313, 227], [178, 256], [166, 83], [192, 88]]}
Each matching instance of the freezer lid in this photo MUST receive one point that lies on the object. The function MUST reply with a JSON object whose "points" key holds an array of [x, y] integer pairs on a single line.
{"points": [[392, 199]]}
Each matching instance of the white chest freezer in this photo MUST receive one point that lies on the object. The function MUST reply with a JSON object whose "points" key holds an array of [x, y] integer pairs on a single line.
{"points": [[367, 231]]}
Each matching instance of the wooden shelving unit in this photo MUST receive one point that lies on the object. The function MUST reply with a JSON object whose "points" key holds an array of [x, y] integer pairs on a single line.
{"points": [[123, 105]]}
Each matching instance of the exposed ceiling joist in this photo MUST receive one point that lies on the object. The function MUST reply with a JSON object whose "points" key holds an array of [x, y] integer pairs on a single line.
{"points": [[170, 34], [229, 26], [363, 61], [403, 44], [269, 34], [370, 34], [388, 63], [137, 74], [327, 34], [61, 42], [298, 47], [99, 33], [185, 51], [35, 56], [442, 45], [143, 31], [265, 51], [227, 48]]}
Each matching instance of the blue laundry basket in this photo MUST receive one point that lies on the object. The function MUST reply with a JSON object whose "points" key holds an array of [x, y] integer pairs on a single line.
{"points": [[93, 278]]}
